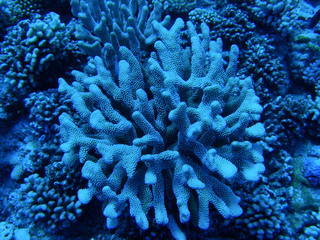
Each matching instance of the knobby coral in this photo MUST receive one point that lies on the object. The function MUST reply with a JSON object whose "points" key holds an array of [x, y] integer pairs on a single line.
{"points": [[159, 135], [33, 51]]}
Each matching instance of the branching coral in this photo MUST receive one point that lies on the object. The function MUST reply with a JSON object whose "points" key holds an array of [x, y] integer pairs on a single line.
{"points": [[32, 54], [177, 6], [13, 11], [177, 127], [311, 168], [278, 16], [44, 108], [290, 118], [304, 58], [261, 61], [38, 201], [107, 25], [228, 22]]}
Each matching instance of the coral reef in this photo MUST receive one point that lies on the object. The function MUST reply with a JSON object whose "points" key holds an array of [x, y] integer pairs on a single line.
{"points": [[135, 107], [42, 202], [32, 54], [261, 62], [312, 166], [289, 118], [229, 23], [305, 55], [44, 109], [177, 6], [277, 16]]}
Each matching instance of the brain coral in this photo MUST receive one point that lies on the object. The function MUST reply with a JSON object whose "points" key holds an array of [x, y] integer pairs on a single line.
{"points": [[155, 136]]}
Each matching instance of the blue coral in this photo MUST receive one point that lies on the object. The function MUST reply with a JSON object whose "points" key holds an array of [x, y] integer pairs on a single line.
{"points": [[312, 166], [264, 65], [155, 124], [31, 56], [164, 123], [104, 26], [44, 108], [278, 16], [304, 58], [38, 201], [5, 18], [177, 6], [6, 231], [229, 23], [9, 232]]}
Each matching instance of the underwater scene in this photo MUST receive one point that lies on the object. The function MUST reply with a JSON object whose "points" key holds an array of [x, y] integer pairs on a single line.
{"points": [[159, 120]]}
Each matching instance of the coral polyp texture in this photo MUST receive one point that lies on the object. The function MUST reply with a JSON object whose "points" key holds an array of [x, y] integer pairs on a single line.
{"points": [[155, 136]]}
